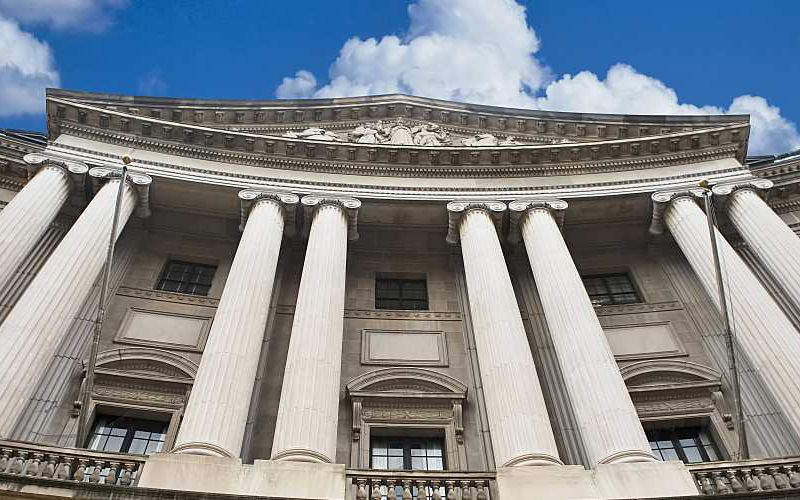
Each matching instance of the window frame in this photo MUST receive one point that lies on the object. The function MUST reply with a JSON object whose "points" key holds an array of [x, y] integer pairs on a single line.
{"points": [[604, 276], [408, 441], [676, 434], [130, 432], [400, 299], [162, 278]]}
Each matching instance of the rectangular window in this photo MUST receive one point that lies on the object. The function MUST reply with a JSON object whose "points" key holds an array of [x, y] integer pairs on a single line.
{"points": [[127, 435], [187, 277], [404, 453], [610, 289], [401, 294], [691, 445]]}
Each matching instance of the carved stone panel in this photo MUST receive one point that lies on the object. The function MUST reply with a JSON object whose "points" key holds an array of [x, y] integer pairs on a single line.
{"points": [[403, 348]]}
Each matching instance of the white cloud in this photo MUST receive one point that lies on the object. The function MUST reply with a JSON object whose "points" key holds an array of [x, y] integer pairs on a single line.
{"points": [[83, 15], [483, 51], [152, 83], [26, 69]]}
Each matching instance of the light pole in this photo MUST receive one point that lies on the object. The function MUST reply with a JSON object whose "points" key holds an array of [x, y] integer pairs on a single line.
{"points": [[706, 194], [80, 438]]}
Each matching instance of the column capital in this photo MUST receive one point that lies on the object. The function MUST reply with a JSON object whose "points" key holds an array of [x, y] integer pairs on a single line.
{"points": [[347, 204], [519, 208], [759, 186], [138, 181], [457, 209], [287, 201], [75, 170], [662, 199]]}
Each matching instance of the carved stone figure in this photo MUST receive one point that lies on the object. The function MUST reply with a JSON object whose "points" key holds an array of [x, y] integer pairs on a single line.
{"points": [[314, 134], [373, 133], [488, 140], [430, 134]]}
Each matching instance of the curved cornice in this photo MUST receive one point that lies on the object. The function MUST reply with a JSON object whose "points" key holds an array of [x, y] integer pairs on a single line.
{"points": [[596, 143]]}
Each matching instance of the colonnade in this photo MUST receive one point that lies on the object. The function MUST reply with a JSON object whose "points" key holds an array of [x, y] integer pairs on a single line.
{"points": [[216, 413]]}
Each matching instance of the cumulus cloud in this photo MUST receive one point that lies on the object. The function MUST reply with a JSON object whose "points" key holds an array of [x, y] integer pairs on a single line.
{"points": [[26, 69], [83, 15], [483, 51]]}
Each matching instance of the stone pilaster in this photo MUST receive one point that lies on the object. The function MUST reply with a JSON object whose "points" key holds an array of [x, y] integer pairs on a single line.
{"points": [[25, 219], [773, 242], [216, 414], [761, 329], [308, 412], [518, 419], [35, 327], [609, 425]]}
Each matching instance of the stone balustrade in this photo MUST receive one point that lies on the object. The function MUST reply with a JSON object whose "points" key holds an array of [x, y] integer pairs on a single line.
{"points": [[419, 485], [69, 464], [722, 478]]}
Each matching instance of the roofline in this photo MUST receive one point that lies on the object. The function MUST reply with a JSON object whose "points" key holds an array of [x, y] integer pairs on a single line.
{"points": [[111, 98]]}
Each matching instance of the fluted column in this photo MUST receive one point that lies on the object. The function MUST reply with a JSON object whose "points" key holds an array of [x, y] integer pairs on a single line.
{"points": [[518, 420], [773, 242], [28, 215], [35, 327], [608, 422], [762, 330], [308, 411], [216, 414]]}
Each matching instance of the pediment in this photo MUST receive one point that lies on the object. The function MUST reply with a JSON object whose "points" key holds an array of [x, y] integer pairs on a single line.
{"points": [[146, 363], [650, 373], [405, 382]]}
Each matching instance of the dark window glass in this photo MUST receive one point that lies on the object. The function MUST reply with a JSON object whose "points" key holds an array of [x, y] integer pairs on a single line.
{"points": [[127, 435], [689, 444], [608, 289], [405, 453], [186, 277], [401, 294]]}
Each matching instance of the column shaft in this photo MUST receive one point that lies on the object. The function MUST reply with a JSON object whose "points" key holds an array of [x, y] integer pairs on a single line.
{"points": [[518, 420], [34, 328], [608, 422], [216, 414], [776, 246], [28, 215], [308, 414], [762, 330]]}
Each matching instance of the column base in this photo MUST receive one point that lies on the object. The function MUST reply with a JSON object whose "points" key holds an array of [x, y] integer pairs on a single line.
{"points": [[198, 448], [265, 478], [533, 459], [301, 455], [628, 457], [609, 481]]}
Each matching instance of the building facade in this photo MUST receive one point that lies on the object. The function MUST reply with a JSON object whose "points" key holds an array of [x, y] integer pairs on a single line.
{"points": [[376, 296]]}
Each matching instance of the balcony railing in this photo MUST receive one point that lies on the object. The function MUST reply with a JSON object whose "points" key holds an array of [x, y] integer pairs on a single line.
{"points": [[420, 485], [69, 464], [721, 478]]}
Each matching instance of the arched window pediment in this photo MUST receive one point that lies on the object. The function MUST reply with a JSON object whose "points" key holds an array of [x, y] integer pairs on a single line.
{"points": [[406, 382]]}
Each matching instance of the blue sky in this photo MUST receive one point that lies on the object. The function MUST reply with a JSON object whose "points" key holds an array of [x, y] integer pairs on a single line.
{"points": [[620, 56]]}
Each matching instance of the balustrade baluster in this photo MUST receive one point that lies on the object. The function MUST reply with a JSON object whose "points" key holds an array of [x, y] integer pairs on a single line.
{"points": [[436, 494], [450, 489], [407, 490], [361, 492], [794, 476], [113, 468], [706, 487], [126, 478], [481, 485], [49, 468], [80, 471], [376, 489], [719, 483], [750, 482], [736, 485], [766, 481]]}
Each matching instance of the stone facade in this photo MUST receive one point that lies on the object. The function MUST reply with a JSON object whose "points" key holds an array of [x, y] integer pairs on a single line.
{"points": [[276, 380]]}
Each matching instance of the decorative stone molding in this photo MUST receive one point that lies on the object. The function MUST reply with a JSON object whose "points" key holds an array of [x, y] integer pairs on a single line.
{"points": [[158, 361], [140, 183], [151, 294], [662, 199], [287, 202], [348, 205], [759, 186], [407, 397], [457, 209], [75, 170], [520, 208]]}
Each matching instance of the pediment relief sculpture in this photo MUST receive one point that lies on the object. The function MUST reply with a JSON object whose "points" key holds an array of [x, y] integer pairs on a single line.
{"points": [[314, 134], [488, 140]]}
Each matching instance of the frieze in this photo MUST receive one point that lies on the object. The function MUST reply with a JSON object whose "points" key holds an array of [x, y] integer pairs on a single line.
{"points": [[235, 140], [146, 293], [123, 394], [429, 192], [612, 310], [485, 167], [387, 314], [401, 413], [674, 407]]}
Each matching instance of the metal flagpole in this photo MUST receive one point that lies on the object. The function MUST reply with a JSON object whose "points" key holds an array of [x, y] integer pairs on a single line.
{"points": [[744, 451], [80, 439]]}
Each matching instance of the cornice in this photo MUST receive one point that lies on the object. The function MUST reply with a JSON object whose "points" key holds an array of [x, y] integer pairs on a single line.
{"points": [[384, 169], [419, 191], [202, 141]]}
